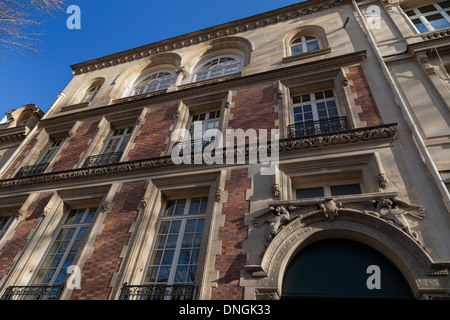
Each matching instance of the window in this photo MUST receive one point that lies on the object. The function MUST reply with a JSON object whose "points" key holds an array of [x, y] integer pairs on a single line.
{"points": [[315, 113], [90, 94], [430, 17], [5, 221], [50, 152], [328, 190], [218, 67], [113, 149], [118, 140], [43, 162], [154, 82], [204, 121], [177, 246], [65, 247], [304, 44]]}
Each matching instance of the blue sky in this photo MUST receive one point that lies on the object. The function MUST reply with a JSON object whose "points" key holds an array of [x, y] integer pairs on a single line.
{"points": [[108, 27]]}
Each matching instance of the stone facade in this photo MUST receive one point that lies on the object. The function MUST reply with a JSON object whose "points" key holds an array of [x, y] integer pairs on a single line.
{"points": [[253, 224]]}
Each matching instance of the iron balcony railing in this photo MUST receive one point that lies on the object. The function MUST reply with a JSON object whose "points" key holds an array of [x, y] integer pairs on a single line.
{"points": [[159, 292], [193, 145], [32, 293], [308, 128], [31, 170], [103, 159]]}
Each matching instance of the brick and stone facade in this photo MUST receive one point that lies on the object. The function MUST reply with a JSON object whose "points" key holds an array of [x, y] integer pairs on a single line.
{"points": [[240, 251]]}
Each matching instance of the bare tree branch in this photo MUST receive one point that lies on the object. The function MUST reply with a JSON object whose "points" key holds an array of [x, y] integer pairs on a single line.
{"points": [[18, 20]]}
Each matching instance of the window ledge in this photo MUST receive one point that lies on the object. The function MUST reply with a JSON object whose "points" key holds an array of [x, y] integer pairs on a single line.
{"points": [[307, 55], [75, 106]]}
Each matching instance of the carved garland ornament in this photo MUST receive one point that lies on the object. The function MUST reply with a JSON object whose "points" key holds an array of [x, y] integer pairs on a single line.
{"points": [[390, 209]]}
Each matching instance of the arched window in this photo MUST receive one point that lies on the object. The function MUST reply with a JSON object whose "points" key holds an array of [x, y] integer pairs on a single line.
{"points": [[304, 44], [156, 81], [90, 93], [218, 67]]}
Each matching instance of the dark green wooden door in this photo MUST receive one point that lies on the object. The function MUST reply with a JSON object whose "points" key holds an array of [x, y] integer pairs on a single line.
{"points": [[337, 268]]}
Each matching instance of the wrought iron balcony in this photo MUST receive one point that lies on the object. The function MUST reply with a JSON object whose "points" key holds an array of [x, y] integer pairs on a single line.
{"points": [[103, 159], [193, 145], [159, 292], [309, 128], [32, 293], [31, 170]]}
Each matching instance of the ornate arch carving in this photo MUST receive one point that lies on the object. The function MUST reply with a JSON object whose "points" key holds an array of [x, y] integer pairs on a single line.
{"points": [[403, 249]]}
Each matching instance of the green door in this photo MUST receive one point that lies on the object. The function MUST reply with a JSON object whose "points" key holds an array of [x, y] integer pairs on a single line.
{"points": [[338, 268]]}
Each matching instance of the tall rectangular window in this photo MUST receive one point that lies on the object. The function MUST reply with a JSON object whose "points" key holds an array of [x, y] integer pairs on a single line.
{"points": [[65, 247], [118, 140], [430, 17], [315, 113], [5, 221], [176, 249], [50, 152]]}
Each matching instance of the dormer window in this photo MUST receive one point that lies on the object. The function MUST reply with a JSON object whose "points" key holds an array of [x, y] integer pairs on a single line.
{"points": [[218, 67], [90, 94], [156, 81], [304, 44]]}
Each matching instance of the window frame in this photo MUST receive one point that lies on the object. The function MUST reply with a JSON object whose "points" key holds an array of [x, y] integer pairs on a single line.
{"points": [[423, 16], [4, 228], [138, 86], [123, 140], [50, 151], [62, 225], [219, 67], [180, 235], [314, 108], [304, 44], [90, 94]]}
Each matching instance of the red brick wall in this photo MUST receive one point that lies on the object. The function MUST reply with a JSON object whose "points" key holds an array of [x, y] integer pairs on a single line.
{"points": [[21, 232], [254, 108], [19, 159], [370, 113], [231, 260], [70, 156], [98, 270], [153, 133]]}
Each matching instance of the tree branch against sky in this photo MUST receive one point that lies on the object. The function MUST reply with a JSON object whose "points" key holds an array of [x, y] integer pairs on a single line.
{"points": [[19, 20]]}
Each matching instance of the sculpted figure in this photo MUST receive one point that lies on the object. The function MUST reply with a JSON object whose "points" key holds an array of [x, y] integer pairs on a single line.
{"points": [[277, 217]]}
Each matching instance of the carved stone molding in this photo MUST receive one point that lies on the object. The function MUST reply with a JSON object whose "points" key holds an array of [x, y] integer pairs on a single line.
{"points": [[382, 132], [364, 217], [194, 38], [219, 195], [382, 180], [20, 213], [276, 190]]}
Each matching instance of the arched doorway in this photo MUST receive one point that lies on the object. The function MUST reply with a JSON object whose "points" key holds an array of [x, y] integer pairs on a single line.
{"points": [[337, 268]]}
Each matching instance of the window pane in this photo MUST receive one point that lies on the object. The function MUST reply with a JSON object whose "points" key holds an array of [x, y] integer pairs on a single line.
{"points": [[426, 9], [345, 189], [319, 95], [438, 21], [309, 192], [312, 46], [296, 99], [419, 25], [444, 4], [410, 13], [297, 50]]}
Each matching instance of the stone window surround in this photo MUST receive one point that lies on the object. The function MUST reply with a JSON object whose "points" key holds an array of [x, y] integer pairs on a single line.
{"points": [[333, 79], [23, 270], [144, 229]]}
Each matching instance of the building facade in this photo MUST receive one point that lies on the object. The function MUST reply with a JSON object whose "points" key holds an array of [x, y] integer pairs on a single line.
{"points": [[302, 152]]}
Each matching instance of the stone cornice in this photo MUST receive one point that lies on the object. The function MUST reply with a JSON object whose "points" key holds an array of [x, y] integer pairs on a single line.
{"points": [[15, 133], [208, 87], [228, 29], [359, 135]]}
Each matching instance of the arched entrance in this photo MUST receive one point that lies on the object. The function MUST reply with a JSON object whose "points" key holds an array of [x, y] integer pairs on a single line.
{"points": [[337, 268]]}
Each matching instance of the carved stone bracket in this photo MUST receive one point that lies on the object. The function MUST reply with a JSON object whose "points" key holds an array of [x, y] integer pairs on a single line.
{"points": [[219, 195], [20, 213]]}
